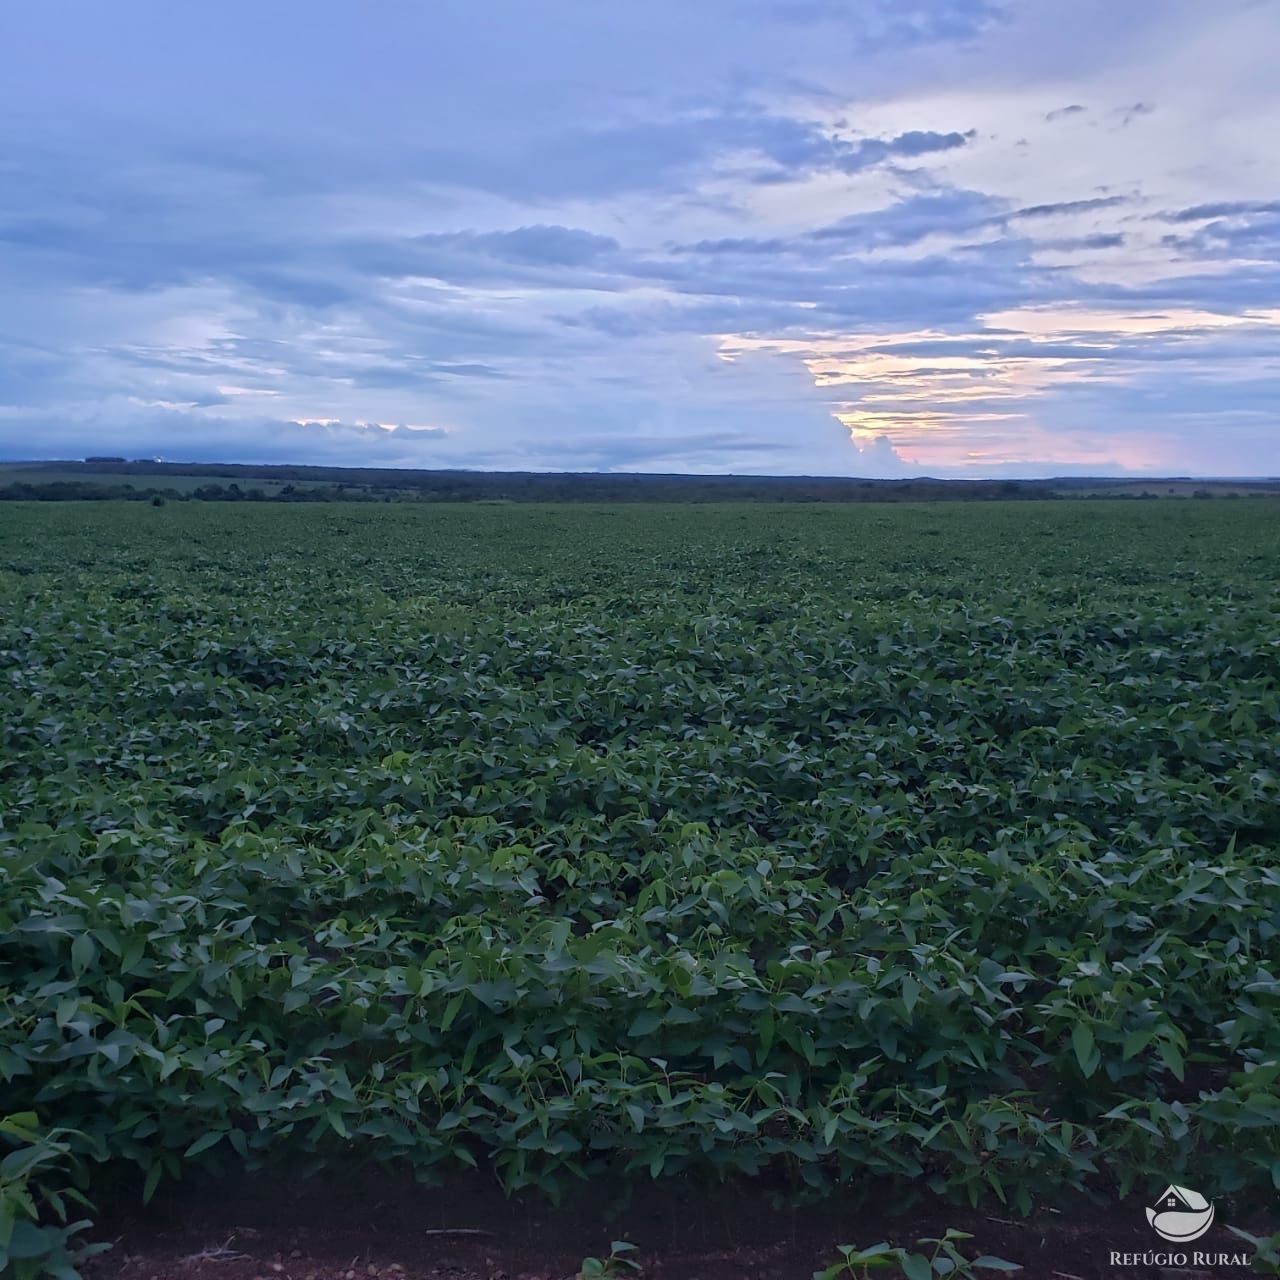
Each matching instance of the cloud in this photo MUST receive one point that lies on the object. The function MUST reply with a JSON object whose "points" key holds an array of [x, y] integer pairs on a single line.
{"points": [[915, 142], [854, 157], [913, 219], [559, 246], [1224, 209], [883, 24], [1133, 112], [790, 235], [1061, 207], [182, 436], [807, 151], [1070, 244]]}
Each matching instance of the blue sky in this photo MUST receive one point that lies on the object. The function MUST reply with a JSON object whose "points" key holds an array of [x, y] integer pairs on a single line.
{"points": [[881, 238]]}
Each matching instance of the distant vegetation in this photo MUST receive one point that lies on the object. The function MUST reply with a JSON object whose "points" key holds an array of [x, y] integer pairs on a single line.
{"points": [[113, 478], [141, 480]]}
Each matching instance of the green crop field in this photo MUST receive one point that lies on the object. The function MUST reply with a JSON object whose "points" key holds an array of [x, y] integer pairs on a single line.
{"points": [[820, 843]]}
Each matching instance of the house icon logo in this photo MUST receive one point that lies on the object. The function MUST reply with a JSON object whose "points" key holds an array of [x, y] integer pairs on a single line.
{"points": [[1180, 1215]]}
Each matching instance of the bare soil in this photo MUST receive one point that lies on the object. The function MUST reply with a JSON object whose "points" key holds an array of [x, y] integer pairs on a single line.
{"points": [[376, 1226]]}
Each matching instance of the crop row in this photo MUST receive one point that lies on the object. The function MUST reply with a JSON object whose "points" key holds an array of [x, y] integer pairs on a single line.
{"points": [[581, 844]]}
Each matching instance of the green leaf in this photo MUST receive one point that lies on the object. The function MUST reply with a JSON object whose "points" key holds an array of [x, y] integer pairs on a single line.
{"points": [[1085, 1051], [203, 1143], [451, 1011], [646, 1023], [910, 993], [83, 953], [915, 1266], [1171, 1057], [1135, 1042], [31, 1241]]}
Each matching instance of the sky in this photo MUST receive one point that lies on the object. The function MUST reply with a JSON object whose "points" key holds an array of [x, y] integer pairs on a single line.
{"points": [[822, 237]]}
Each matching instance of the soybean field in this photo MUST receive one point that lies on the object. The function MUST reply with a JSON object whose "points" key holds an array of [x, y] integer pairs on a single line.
{"points": [[930, 844]]}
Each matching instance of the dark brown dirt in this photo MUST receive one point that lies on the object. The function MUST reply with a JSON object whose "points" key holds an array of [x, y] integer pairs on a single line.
{"points": [[374, 1226]]}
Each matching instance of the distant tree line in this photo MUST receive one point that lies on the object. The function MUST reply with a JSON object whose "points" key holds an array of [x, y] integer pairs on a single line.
{"points": [[230, 482], [242, 482], [539, 490], [78, 491]]}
